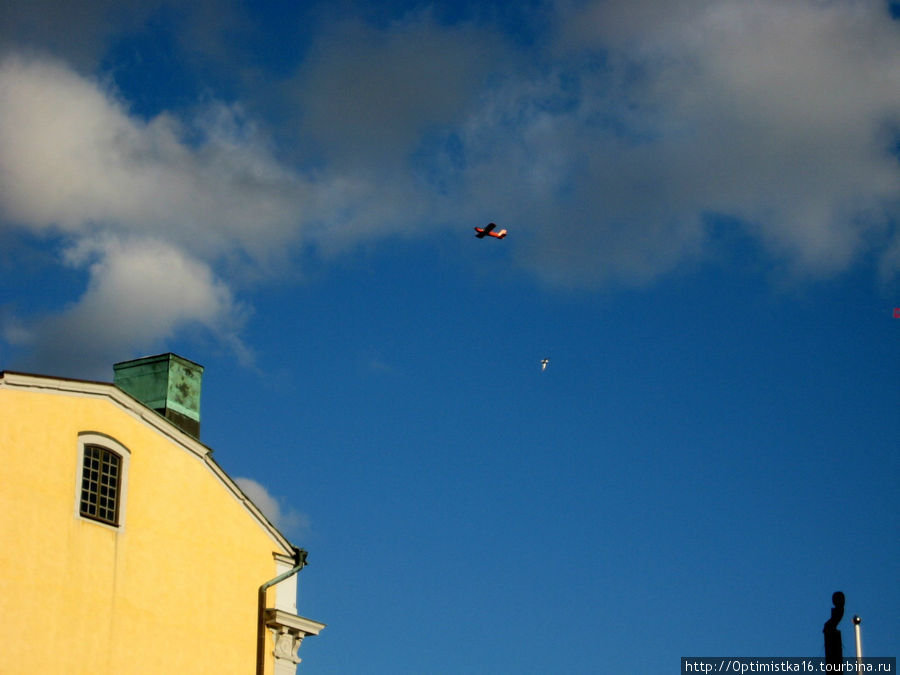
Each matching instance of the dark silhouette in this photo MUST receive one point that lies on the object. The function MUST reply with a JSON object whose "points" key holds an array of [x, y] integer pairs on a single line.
{"points": [[834, 649]]}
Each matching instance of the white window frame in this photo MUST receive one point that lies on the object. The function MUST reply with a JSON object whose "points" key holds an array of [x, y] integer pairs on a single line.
{"points": [[86, 438]]}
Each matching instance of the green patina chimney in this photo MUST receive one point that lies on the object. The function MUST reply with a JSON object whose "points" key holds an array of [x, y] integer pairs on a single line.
{"points": [[167, 383]]}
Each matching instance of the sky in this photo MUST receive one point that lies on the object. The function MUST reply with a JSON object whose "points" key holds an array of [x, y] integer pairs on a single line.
{"points": [[703, 206]]}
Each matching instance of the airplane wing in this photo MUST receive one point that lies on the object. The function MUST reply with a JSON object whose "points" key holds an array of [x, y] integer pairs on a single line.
{"points": [[487, 229]]}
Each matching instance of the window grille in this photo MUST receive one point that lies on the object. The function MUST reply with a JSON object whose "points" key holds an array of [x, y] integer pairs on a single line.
{"points": [[100, 484]]}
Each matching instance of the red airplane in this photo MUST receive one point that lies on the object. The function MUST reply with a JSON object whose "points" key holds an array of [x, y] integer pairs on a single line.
{"points": [[480, 232]]}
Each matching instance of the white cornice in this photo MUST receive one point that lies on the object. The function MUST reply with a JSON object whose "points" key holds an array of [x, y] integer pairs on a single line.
{"points": [[71, 387], [276, 618]]}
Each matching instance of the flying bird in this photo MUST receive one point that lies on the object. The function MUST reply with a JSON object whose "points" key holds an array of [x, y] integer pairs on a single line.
{"points": [[544, 363], [480, 232]]}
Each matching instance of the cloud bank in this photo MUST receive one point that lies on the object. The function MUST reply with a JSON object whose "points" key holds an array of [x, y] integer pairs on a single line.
{"points": [[783, 115], [639, 131]]}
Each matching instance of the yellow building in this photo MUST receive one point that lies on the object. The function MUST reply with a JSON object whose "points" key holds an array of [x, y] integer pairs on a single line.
{"points": [[124, 547]]}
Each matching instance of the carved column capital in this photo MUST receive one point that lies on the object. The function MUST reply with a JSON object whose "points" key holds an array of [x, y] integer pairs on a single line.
{"points": [[288, 631]]}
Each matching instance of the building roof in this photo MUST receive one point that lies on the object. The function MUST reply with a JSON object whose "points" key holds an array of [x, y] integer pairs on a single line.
{"points": [[133, 407]]}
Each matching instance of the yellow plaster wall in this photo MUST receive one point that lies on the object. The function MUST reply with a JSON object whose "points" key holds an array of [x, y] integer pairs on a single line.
{"points": [[171, 591]]}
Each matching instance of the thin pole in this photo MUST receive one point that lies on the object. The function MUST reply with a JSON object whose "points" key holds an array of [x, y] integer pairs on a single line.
{"points": [[859, 656]]}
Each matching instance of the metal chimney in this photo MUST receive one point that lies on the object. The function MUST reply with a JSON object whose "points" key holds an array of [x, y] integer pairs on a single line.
{"points": [[168, 384]]}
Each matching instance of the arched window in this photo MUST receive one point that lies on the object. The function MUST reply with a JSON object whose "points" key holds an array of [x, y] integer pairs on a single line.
{"points": [[101, 479], [101, 484]]}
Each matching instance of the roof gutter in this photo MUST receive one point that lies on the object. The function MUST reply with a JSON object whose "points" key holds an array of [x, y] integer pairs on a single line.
{"points": [[299, 564]]}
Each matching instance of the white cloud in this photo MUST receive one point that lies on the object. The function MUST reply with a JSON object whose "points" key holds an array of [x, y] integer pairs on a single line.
{"points": [[140, 292], [642, 123], [290, 521], [73, 158], [625, 129], [148, 213], [783, 115]]}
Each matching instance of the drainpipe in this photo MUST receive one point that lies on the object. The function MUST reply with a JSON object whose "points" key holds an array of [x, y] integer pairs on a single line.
{"points": [[299, 564]]}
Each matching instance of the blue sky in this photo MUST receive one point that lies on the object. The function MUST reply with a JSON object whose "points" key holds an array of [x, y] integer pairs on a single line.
{"points": [[702, 202]]}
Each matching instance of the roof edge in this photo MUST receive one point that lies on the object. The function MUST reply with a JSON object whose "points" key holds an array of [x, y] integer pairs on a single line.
{"points": [[63, 385]]}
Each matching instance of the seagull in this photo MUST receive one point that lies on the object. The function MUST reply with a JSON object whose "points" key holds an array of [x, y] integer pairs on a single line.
{"points": [[544, 363]]}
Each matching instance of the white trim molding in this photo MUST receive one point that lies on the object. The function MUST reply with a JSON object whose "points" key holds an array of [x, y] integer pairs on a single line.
{"points": [[103, 390]]}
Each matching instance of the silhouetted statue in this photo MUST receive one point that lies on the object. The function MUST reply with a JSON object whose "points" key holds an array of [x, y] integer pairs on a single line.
{"points": [[834, 649]]}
